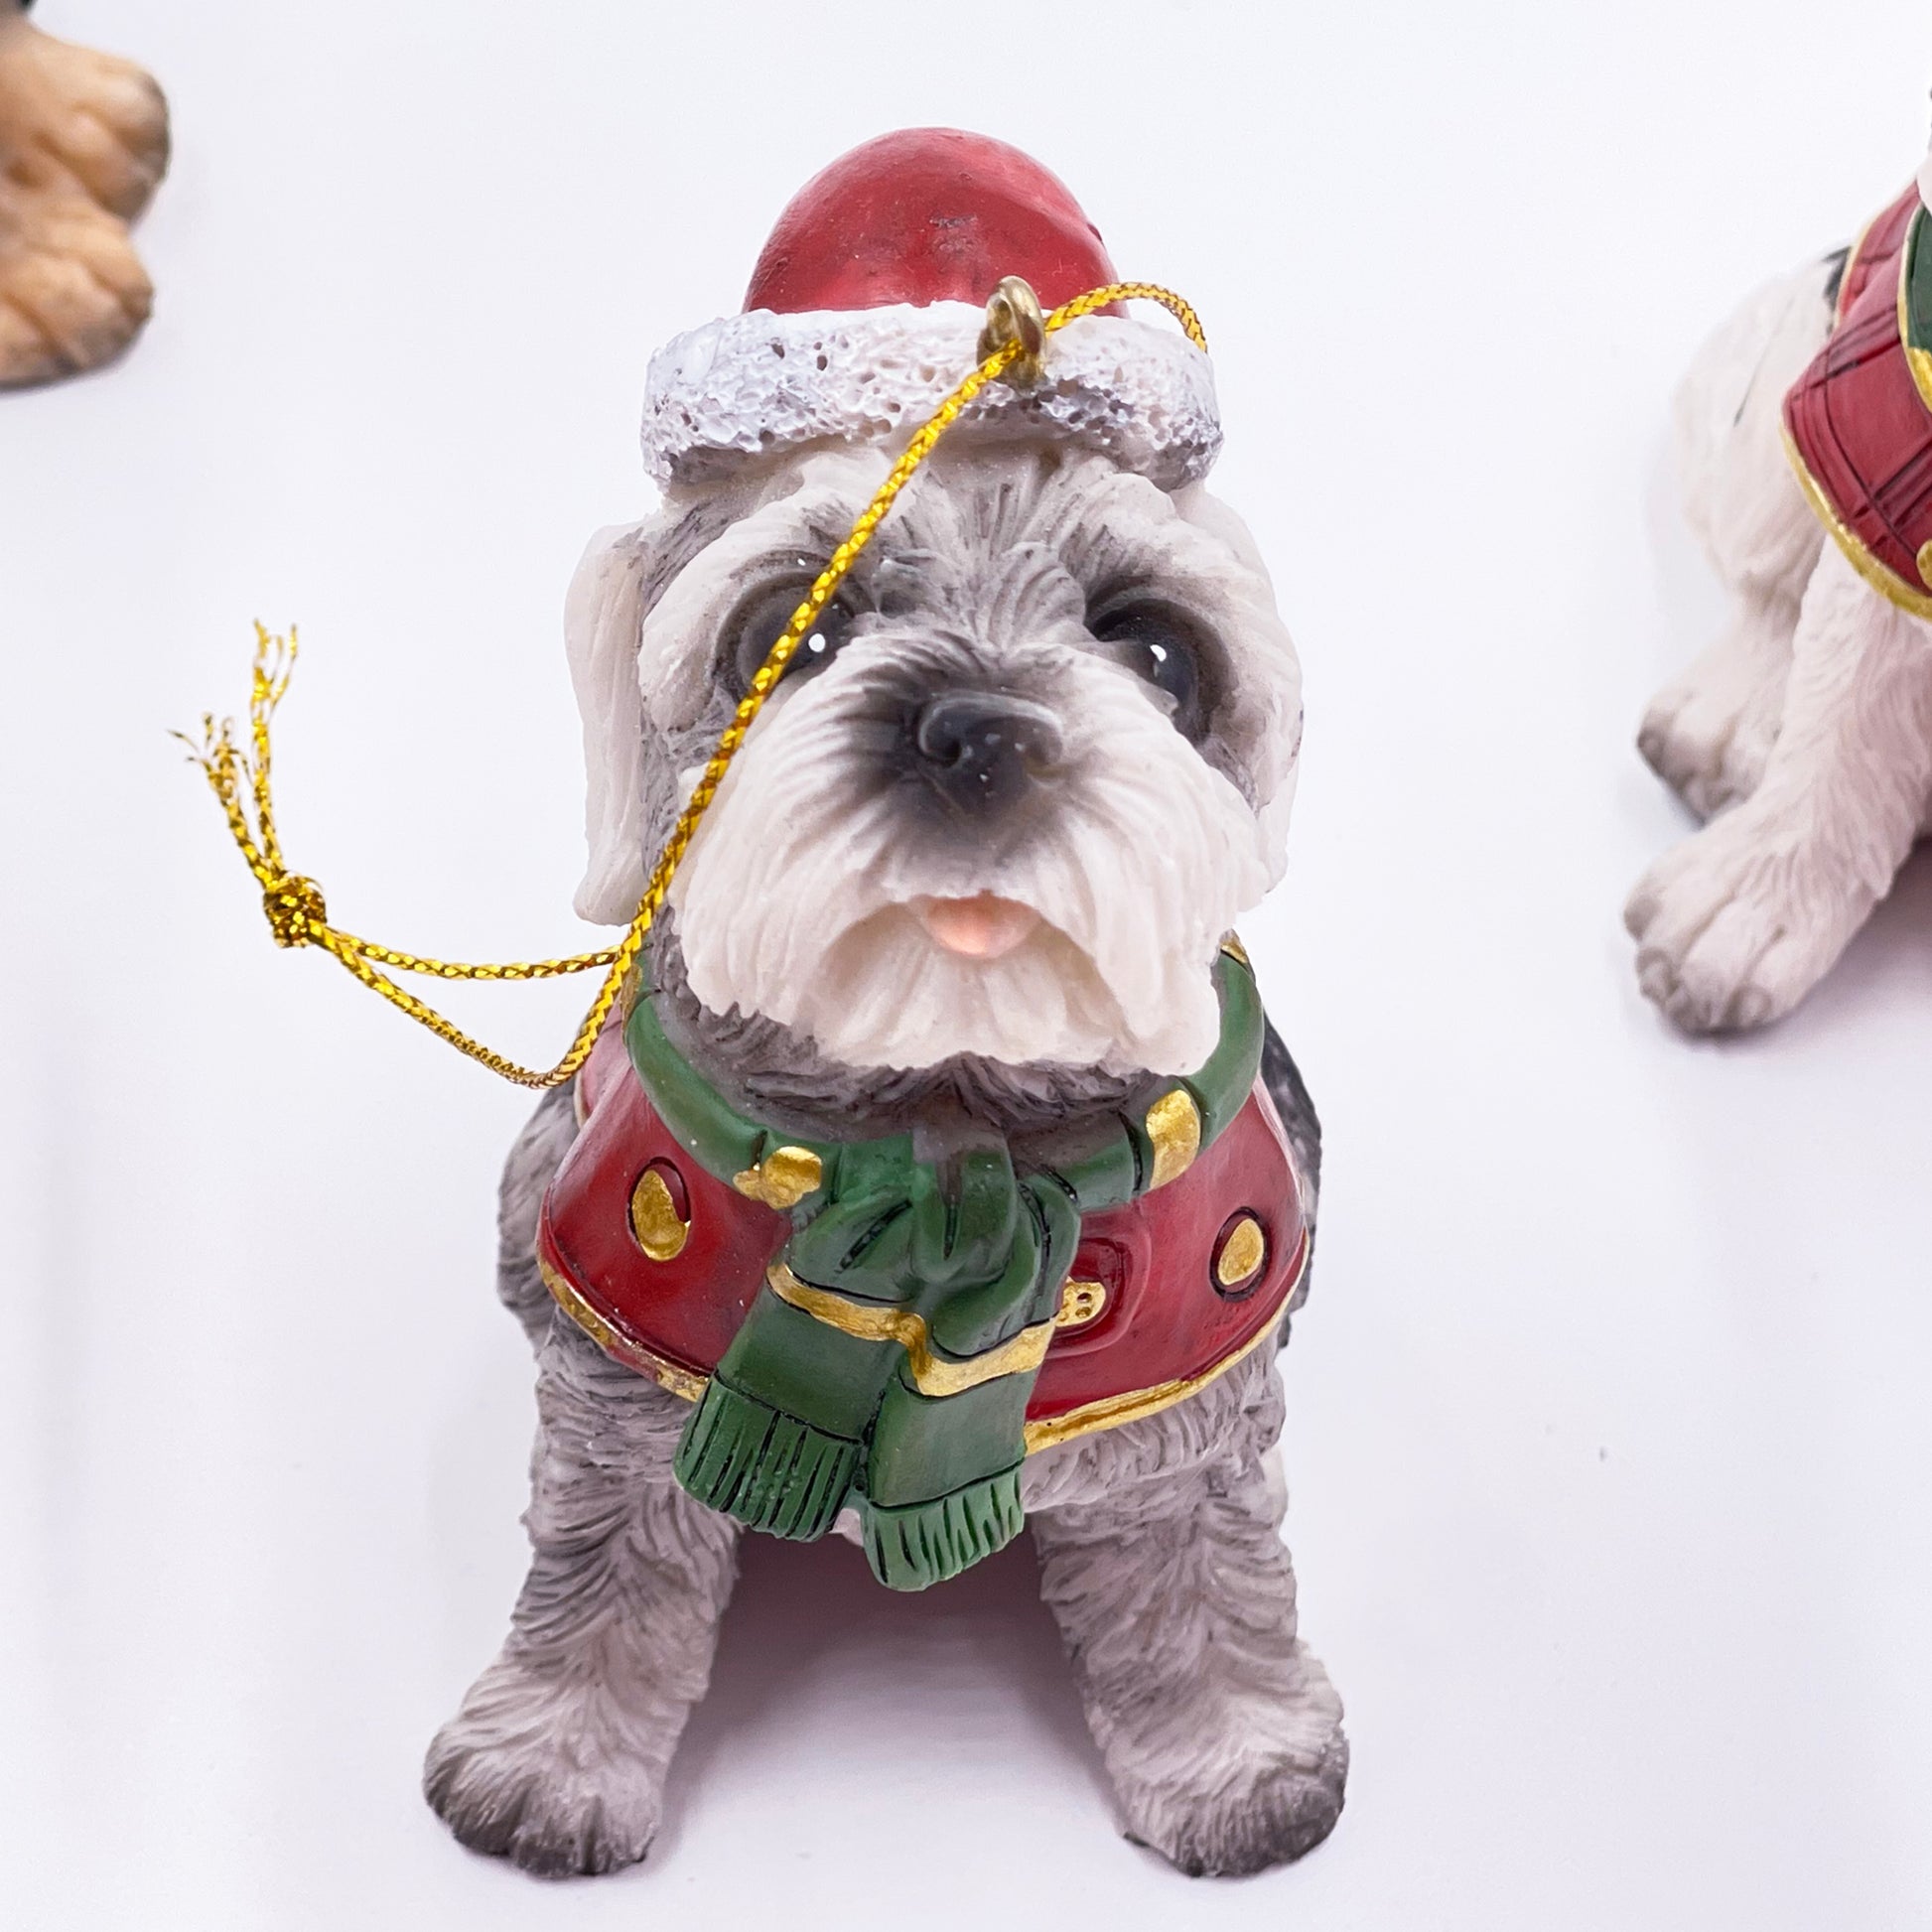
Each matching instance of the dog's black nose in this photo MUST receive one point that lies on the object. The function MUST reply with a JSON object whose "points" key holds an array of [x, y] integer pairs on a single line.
{"points": [[980, 749]]}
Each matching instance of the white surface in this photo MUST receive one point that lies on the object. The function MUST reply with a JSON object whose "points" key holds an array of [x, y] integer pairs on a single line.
{"points": [[1609, 1428]]}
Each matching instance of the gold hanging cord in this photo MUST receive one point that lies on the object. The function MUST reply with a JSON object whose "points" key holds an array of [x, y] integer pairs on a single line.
{"points": [[1011, 348]]}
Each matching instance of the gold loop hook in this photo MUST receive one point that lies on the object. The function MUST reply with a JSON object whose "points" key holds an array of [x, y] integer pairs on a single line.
{"points": [[1014, 315]]}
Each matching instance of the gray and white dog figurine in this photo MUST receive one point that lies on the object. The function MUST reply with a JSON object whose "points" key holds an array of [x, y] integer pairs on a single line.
{"points": [[1804, 732], [968, 881]]}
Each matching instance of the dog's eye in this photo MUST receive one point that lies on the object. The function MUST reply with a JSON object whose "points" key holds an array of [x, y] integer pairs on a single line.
{"points": [[760, 622], [1156, 645]]}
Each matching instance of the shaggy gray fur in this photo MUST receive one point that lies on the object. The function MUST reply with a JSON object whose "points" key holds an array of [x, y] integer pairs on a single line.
{"points": [[1160, 1555], [1162, 1558], [1289, 1093], [535, 1155], [1158, 1541], [557, 1757]]}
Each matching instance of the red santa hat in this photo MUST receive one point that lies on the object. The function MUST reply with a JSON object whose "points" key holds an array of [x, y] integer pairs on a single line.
{"points": [[865, 307]]}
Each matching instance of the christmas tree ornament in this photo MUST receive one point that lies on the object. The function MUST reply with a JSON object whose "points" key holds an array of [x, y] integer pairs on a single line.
{"points": [[83, 140], [1804, 734], [925, 1166]]}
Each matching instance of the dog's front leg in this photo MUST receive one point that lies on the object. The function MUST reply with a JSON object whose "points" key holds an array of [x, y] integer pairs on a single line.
{"points": [[1176, 1598], [1708, 734], [558, 1755], [1736, 925]]}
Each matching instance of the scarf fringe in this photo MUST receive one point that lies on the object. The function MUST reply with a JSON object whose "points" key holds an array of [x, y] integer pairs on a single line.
{"points": [[767, 1469], [911, 1546]]}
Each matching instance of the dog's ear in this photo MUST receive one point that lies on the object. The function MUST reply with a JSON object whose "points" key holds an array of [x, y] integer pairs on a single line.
{"points": [[626, 569], [1250, 609], [603, 613]]}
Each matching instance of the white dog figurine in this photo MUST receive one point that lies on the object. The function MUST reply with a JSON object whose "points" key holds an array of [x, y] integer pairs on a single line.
{"points": [[929, 1185], [1804, 734]]}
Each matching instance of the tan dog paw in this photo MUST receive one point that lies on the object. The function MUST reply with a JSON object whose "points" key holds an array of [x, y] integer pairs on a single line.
{"points": [[83, 139]]}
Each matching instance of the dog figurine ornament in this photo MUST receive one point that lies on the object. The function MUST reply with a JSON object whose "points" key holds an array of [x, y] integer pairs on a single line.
{"points": [[939, 1171], [1804, 734], [83, 141]]}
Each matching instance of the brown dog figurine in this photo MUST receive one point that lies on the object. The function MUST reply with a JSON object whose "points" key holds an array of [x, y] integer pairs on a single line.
{"points": [[83, 140]]}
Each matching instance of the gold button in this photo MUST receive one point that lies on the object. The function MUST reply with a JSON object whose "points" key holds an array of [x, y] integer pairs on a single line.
{"points": [[1174, 1126], [1925, 565], [783, 1179], [1081, 1303], [1242, 1250], [660, 1229]]}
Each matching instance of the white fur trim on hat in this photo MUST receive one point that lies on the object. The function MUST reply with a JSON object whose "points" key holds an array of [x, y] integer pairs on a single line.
{"points": [[1137, 391]]}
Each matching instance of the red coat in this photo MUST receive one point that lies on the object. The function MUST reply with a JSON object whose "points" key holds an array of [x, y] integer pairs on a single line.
{"points": [[1146, 1317], [1858, 422]]}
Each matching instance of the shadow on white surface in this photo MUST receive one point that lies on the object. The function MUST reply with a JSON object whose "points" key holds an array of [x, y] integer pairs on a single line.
{"points": [[975, 1667], [1887, 965]]}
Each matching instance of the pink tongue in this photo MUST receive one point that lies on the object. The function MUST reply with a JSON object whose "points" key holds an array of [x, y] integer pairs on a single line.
{"points": [[981, 927]]}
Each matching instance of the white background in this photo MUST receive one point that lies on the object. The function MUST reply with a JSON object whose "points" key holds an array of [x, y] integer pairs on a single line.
{"points": [[1609, 1435]]}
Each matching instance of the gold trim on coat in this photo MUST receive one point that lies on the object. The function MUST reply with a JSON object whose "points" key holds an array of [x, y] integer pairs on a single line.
{"points": [[1241, 1254], [667, 1374], [1080, 1304], [659, 1229], [932, 1373], [1174, 1126], [1113, 1410], [1891, 586], [1108, 1413], [783, 1179]]}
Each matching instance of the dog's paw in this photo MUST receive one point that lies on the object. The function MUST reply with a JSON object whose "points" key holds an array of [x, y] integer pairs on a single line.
{"points": [[1710, 733], [72, 292], [538, 1771], [1736, 925], [1232, 1808], [83, 139], [1236, 1764]]}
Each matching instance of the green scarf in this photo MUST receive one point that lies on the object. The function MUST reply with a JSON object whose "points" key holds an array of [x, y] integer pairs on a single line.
{"points": [[888, 1358]]}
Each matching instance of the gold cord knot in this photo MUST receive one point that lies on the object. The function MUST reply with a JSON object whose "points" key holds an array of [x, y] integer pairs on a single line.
{"points": [[295, 908]]}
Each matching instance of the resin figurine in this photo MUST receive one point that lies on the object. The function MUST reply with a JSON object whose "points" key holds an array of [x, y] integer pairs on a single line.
{"points": [[1804, 734], [942, 1173], [83, 140]]}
